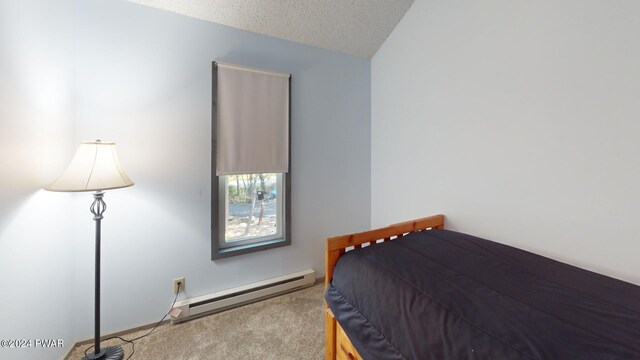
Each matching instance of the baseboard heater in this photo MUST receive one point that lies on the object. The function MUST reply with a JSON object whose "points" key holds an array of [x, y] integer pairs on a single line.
{"points": [[188, 309]]}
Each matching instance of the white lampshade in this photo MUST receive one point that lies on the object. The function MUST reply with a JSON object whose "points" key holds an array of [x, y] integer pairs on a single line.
{"points": [[94, 167]]}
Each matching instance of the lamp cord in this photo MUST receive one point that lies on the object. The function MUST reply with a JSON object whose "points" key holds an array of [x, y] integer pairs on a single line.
{"points": [[131, 341]]}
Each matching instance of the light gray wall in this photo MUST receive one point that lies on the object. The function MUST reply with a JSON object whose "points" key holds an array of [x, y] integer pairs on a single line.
{"points": [[519, 120], [36, 141], [144, 81]]}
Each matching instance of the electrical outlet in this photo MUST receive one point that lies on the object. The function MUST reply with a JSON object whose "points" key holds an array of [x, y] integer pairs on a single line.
{"points": [[178, 285]]}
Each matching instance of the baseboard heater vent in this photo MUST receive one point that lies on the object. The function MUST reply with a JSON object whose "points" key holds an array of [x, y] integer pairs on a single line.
{"points": [[188, 309]]}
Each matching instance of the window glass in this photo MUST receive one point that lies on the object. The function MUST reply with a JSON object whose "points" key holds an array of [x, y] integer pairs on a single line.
{"points": [[252, 206]]}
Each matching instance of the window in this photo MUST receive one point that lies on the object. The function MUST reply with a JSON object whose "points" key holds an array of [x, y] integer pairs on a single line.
{"points": [[253, 206], [251, 181]]}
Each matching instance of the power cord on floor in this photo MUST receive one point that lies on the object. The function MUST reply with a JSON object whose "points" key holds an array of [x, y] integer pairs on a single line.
{"points": [[131, 341]]}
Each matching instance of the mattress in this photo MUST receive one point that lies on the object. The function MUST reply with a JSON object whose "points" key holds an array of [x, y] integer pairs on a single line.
{"points": [[439, 294]]}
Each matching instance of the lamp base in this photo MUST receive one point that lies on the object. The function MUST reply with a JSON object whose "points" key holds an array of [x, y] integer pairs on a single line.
{"points": [[107, 353]]}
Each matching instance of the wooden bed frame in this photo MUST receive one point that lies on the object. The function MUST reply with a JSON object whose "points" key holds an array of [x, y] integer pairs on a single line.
{"points": [[338, 345]]}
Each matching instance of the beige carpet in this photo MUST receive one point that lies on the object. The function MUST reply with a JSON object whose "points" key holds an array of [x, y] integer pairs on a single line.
{"points": [[290, 326]]}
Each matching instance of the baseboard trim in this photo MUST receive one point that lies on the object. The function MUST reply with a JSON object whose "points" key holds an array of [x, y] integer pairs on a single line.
{"points": [[67, 357]]}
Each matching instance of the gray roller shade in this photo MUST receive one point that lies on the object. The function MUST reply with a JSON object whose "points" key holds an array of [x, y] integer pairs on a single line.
{"points": [[252, 121]]}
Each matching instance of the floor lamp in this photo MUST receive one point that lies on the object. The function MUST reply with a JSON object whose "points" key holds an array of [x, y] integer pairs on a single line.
{"points": [[95, 167]]}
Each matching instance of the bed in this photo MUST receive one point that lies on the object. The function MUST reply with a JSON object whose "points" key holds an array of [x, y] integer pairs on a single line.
{"points": [[417, 291]]}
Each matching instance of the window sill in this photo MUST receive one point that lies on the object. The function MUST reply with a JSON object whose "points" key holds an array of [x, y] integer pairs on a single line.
{"points": [[222, 253]]}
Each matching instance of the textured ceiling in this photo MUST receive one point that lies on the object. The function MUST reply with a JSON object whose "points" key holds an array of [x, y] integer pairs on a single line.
{"points": [[357, 27]]}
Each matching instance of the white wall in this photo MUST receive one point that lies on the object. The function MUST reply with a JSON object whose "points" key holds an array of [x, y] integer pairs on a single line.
{"points": [[36, 141], [519, 120], [144, 81]]}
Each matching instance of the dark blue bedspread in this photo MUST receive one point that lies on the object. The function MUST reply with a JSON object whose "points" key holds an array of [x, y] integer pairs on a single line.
{"points": [[440, 294]]}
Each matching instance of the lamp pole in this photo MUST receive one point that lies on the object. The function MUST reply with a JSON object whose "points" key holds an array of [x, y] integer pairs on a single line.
{"points": [[110, 352], [97, 209]]}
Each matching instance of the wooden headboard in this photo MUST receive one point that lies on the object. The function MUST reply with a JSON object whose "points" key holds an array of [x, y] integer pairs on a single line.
{"points": [[336, 246]]}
